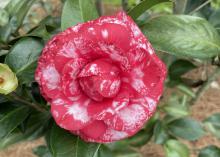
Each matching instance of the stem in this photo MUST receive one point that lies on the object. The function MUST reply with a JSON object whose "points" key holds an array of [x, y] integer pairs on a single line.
{"points": [[22, 100], [205, 86], [200, 7]]}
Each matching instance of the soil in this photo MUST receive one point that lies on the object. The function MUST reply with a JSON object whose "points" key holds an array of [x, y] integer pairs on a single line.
{"points": [[207, 105]]}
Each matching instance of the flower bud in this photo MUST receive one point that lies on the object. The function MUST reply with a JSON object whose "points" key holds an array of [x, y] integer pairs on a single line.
{"points": [[8, 80]]}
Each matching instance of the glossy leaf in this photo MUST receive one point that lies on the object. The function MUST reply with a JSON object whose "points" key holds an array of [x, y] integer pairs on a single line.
{"points": [[174, 148], [180, 67], [64, 144], [42, 151], [160, 133], [212, 123], [186, 128], [183, 36], [214, 19], [143, 6], [12, 119], [36, 126], [23, 57], [210, 151], [17, 9], [77, 11]]}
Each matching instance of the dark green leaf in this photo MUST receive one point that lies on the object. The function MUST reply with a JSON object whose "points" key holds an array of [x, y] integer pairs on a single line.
{"points": [[12, 119], [77, 11], [17, 9], [2, 99], [184, 36], [192, 5], [64, 144], [40, 31], [212, 123], [144, 6], [23, 56], [174, 148], [104, 151], [180, 67], [214, 19], [36, 127], [210, 151], [42, 151], [140, 139], [160, 133], [186, 128]]}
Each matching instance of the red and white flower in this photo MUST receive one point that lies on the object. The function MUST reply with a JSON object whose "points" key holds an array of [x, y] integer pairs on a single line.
{"points": [[102, 78]]}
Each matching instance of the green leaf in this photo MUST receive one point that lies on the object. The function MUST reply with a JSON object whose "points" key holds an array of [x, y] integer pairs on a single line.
{"points": [[23, 57], [186, 128], [180, 67], [144, 6], [77, 11], [174, 148], [177, 107], [214, 19], [12, 119], [88, 10], [42, 151], [179, 6], [212, 123], [140, 139], [64, 144], [17, 9], [36, 126], [210, 151], [104, 151], [184, 36], [160, 133], [4, 17]]}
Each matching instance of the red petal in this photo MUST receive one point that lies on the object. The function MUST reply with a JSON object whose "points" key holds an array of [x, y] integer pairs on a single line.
{"points": [[70, 71], [99, 67], [70, 115], [94, 130]]}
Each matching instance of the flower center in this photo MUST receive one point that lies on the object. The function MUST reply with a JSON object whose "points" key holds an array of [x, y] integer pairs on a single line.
{"points": [[100, 79], [1, 80]]}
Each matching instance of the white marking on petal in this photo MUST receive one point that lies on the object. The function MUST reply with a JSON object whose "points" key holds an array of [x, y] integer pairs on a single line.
{"points": [[93, 68], [58, 102], [132, 116], [105, 33], [55, 114], [114, 135], [151, 104], [78, 112], [139, 85], [51, 76]]}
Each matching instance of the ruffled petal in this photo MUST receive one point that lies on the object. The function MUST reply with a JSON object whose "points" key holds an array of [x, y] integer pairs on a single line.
{"points": [[70, 115]]}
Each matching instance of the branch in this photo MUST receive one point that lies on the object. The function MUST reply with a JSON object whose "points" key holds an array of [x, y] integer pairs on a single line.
{"points": [[200, 7], [205, 86], [22, 100]]}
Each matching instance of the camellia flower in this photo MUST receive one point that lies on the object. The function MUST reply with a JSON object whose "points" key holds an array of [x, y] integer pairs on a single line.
{"points": [[102, 78]]}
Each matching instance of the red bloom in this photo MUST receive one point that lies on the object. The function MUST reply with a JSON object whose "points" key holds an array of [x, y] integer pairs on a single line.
{"points": [[102, 78]]}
